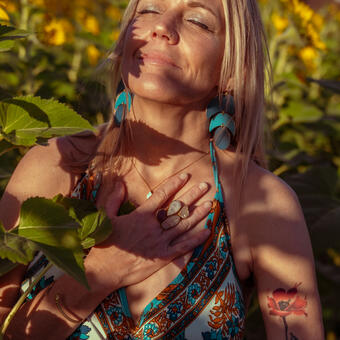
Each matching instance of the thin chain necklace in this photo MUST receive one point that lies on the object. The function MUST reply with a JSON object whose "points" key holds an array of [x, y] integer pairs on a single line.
{"points": [[151, 189]]}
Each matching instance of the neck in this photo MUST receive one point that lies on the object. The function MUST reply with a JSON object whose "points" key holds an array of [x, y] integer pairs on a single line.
{"points": [[168, 129]]}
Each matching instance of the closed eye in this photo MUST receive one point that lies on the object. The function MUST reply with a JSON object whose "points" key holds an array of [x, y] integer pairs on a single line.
{"points": [[148, 11], [199, 24]]}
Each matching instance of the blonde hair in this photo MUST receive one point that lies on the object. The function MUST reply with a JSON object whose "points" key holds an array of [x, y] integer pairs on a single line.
{"points": [[243, 62]]}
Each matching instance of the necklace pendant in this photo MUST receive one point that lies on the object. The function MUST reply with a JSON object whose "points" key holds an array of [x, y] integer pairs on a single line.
{"points": [[149, 194]]}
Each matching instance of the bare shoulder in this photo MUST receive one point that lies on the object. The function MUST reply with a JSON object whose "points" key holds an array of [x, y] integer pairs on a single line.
{"points": [[39, 171], [45, 171], [266, 193], [263, 196], [268, 218], [272, 217]]}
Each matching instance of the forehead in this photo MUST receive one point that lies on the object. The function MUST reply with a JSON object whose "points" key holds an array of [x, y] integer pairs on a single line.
{"points": [[214, 6]]}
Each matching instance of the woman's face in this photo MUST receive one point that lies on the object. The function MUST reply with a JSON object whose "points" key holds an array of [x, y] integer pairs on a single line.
{"points": [[173, 50]]}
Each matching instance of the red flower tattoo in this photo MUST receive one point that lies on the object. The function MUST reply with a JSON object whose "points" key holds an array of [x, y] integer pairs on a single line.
{"points": [[284, 303]]}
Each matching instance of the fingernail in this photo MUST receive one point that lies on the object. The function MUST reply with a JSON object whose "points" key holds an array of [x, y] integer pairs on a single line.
{"points": [[183, 176], [203, 186], [207, 205]]}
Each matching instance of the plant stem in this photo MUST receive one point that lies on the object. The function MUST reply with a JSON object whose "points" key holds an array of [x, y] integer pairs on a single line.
{"points": [[286, 326], [22, 299], [23, 24], [76, 63]]}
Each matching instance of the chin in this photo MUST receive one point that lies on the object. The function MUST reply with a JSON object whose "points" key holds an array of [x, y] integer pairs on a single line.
{"points": [[164, 90]]}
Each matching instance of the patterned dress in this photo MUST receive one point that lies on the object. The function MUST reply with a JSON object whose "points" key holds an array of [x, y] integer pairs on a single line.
{"points": [[203, 302]]}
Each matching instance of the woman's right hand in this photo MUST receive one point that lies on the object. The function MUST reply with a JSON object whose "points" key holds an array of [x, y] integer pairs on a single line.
{"points": [[138, 246]]}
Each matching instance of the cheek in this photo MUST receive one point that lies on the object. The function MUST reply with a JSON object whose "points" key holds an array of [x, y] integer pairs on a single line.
{"points": [[132, 43], [208, 56]]}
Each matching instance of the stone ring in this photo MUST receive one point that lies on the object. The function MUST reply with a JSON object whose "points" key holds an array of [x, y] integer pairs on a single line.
{"points": [[170, 217]]}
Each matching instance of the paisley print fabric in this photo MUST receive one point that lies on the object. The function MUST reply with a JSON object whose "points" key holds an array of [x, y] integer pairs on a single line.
{"points": [[203, 302]]}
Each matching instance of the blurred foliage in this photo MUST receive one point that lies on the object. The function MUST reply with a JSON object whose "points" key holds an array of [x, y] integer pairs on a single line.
{"points": [[69, 38]]}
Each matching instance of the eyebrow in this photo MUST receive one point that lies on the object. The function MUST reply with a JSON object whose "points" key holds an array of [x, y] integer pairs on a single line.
{"points": [[202, 5]]}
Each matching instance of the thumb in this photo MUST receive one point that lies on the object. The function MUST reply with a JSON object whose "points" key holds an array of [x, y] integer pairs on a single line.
{"points": [[115, 199]]}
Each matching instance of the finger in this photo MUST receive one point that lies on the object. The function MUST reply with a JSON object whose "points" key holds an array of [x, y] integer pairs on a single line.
{"points": [[188, 242], [198, 214], [115, 199], [164, 193], [192, 195]]}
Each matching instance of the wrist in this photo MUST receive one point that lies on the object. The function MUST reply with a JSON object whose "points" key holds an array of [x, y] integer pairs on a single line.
{"points": [[100, 276]]}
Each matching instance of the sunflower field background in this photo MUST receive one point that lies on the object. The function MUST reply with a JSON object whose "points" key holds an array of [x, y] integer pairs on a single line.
{"points": [[66, 40]]}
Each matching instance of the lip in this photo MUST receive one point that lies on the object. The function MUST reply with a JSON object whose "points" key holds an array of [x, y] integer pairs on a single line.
{"points": [[156, 58]]}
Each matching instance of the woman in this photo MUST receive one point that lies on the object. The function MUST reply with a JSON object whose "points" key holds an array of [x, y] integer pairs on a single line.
{"points": [[176, 276]]}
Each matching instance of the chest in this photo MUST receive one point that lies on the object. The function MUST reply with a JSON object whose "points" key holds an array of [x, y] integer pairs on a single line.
{"points": [[139, 296], [202, 295]]}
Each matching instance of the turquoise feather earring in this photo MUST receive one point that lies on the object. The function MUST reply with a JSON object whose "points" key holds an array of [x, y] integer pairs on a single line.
{"points": [[221, 123], [122, 105]]}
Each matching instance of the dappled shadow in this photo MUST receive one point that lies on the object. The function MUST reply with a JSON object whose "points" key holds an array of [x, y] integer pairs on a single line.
{"points": [[33, 110], [285, 281], [157, 154], [74, 149]]}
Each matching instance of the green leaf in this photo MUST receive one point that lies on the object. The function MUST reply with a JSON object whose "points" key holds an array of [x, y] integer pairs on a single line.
{"points": [[301, 112], [7, 36], [126, 208], [14, 247], [24, 119], [55, 233], [46, 222], [95, 226], [9, 32], [102, 227], [70, 261]]}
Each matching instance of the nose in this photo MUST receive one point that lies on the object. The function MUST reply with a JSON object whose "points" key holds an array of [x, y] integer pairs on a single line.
{"points": [[165, 28]]}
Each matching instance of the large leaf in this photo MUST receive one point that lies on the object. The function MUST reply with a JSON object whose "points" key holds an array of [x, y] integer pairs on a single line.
{"points": [[103, 226], [95, 226], [24, 119], [70, 261], [47, 222], [15, 248], [49, 225]]}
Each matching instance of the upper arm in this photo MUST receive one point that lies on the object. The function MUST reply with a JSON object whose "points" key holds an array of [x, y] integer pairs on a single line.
{"points": [[39, 173], [283, 264]]}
